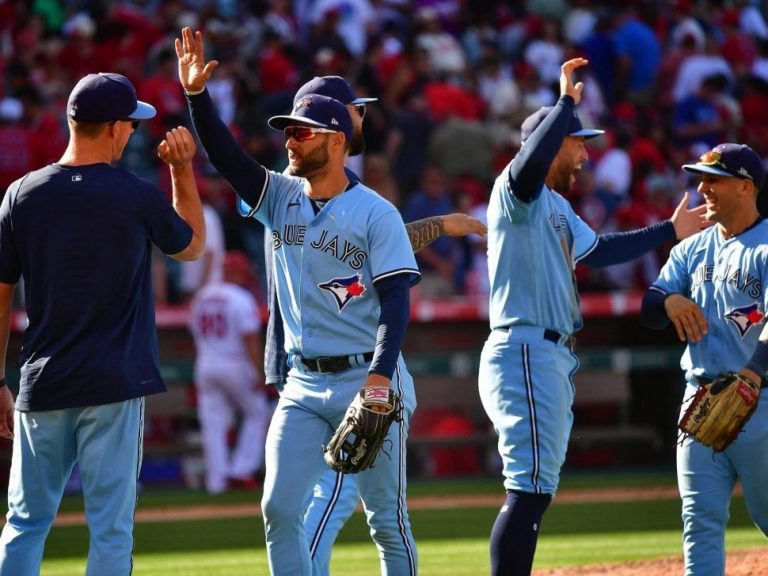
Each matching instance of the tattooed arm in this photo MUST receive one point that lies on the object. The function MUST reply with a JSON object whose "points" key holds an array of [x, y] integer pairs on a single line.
{"points": [[425, 231]]}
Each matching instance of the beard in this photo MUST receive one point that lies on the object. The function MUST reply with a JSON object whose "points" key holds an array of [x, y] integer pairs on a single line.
{"points": [[562, 181], [311, 162]]}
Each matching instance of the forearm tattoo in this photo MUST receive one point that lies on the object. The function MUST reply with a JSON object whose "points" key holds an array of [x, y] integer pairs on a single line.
{"points": [[423, 232]]}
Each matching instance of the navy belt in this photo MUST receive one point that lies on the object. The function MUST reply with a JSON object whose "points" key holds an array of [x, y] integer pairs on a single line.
{"points": [[550, 335], [332, 364]]}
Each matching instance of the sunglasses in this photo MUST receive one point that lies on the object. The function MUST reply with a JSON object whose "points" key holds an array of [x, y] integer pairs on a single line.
{"points": [[360, 109], [304, 133], [711, 158], [134, 123]]}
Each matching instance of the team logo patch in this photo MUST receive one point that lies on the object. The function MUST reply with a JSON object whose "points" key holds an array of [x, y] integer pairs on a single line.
{"points": [[745, 317], [344, 289], [305, 101]]}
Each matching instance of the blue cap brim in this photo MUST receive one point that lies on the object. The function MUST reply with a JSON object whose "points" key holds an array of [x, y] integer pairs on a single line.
{"points": [[143, 111], [357, 101], [282, 122], [587, 133], [699, 169]]}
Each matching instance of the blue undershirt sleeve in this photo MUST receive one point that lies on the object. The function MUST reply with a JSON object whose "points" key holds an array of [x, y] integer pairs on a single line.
{"points": [[759, 361], [529, 168], [652, 312], [621, 247], [394, 295], [241, 170]]}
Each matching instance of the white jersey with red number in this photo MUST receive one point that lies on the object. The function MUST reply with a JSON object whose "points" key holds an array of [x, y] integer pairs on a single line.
{"points": [[220, 314]]}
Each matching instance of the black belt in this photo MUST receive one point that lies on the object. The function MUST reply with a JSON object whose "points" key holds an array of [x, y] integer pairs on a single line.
{"points": [[332, 364], [703, 380], [552, 336]]}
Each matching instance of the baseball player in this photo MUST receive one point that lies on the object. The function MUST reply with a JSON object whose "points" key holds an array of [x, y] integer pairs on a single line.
{"points": [[714, 289], [343, 269], [335, 496], [80, 232], [527, 362], [225, 323]]}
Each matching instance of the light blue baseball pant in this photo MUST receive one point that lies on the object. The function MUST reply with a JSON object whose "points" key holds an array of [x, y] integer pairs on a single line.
{"points": [[526, 388], [311, 405], [105, 441], [706, 481], [334, 500]]}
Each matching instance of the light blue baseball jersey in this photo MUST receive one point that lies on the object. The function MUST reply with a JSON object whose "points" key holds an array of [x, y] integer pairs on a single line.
{"points": [[532, 251], [327, 263], [727, 280]]}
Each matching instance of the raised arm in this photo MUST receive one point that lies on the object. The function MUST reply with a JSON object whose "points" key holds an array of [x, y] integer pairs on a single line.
{"points": [[423, 232], [177, 150]]}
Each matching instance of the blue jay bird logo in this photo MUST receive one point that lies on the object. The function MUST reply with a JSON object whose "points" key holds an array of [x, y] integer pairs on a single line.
{"points": [[745, 317], [344, 289]]}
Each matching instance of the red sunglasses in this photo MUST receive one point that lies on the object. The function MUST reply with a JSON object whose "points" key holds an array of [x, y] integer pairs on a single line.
{"points": [[304, 133]]}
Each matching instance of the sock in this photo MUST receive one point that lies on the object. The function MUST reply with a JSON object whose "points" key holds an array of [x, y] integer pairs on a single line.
{"points": [[515, 533]]}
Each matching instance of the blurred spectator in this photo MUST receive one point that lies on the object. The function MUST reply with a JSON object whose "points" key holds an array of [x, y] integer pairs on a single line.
{"points": [[19, 153], [407, 142], [639, 55], [439, 262], [545, 52], [446, 56], [353, 19], [162, 87], [754, 108], [698, 66], [752, 19], [461, 147], [697, 118], [378, 176], [198, 273], [613, 173], [685, 28]]}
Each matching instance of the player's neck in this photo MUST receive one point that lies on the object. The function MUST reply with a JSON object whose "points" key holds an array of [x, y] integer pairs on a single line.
{"points": [[325, 188], [739, 225]]}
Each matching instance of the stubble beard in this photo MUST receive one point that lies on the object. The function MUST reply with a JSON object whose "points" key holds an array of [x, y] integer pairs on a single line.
{"points": [[311, 162]]}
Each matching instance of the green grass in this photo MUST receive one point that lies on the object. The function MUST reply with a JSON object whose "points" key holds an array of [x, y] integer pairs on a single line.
{"points": [[451, 542]]}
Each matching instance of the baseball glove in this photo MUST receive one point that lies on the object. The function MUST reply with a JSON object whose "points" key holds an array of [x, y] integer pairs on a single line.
{"points": [[720, 409], [358, 439]]}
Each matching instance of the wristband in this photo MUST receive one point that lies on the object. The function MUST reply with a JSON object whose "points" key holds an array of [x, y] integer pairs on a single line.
{"points": [[3, 382], [194, 93]]}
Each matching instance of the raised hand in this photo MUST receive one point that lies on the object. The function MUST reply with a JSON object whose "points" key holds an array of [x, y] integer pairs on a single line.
{"points": [[178, 148], [567, 87], [458, 224], [689, 222], [194, 72]]}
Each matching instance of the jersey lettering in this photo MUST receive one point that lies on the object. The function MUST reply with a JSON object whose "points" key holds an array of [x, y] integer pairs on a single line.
{"points": [[702, 274], [742, 281], [358, 256], [559, 222]]}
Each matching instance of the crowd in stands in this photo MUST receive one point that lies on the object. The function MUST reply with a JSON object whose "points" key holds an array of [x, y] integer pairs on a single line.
{"points": [[454, 78]]}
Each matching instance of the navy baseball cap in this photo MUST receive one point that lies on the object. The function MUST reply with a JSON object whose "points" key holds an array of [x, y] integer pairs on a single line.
{"points": [[334, 87], [106, 97], [732, 160], [318, 111], [574, 129]]}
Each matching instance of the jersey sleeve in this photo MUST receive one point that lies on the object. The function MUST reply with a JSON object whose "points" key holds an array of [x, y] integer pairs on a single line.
{"points": [[674, 277], [584, 238], [10, 265], [167, 230], [390, 247]]}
